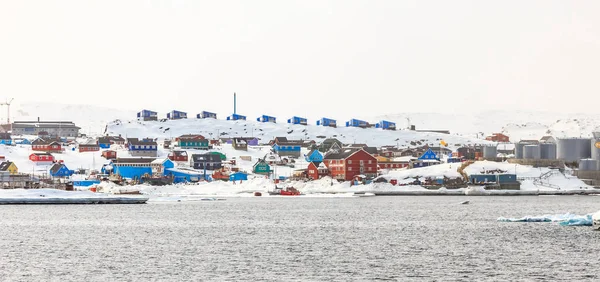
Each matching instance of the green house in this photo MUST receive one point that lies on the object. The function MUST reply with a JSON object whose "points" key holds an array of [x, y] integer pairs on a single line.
{"points": [[261, 167], [190, 141]]}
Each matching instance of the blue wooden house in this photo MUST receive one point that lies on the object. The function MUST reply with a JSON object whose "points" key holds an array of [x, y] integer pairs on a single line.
{"points": [[147, 115], [297, 120], [236, 117], [129, 167], [429, 155], [142, 148], [238, 176], [205, 114], [176, 115], [384, 124], [265, 118], [327, 122], [60, 170], [356, 123], [314, 156], [183, 175], [6, 139], [284, 147]]}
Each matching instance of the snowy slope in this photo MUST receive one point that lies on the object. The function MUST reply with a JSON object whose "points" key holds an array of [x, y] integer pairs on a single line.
{"points": [[211, 128], [466, 122]]}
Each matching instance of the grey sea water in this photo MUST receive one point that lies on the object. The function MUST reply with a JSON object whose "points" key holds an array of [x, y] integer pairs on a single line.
{"points": [[300, 239]]}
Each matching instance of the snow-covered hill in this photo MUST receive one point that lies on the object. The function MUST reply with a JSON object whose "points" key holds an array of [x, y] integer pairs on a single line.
{"points": [[471, 124], [211, 128]]}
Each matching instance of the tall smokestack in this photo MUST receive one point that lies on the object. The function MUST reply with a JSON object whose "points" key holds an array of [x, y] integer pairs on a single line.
{"points": [[234, 103]]}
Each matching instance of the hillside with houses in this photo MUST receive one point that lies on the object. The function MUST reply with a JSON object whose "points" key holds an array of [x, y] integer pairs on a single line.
{"points": [[176, 150]]}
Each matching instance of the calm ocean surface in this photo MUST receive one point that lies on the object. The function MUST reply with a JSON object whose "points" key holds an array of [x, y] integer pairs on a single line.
{"points": [[300, 239]]}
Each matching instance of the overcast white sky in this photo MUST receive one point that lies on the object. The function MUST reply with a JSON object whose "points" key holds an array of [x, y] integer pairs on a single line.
{"points": [[307, 58]]}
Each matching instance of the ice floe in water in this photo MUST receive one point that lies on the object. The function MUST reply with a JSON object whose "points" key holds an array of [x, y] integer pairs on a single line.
{"points": [[566, 219]]}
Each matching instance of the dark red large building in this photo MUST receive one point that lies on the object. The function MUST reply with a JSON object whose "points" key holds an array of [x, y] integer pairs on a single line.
{"points": [[347, 163], [46, 145]]}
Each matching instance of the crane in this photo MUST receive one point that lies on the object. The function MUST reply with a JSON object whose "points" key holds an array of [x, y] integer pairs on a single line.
{"points": [[7, 104]]}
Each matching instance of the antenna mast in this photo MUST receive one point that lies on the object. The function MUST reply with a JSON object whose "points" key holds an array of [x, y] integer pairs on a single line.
{"points": [[7, 104]]}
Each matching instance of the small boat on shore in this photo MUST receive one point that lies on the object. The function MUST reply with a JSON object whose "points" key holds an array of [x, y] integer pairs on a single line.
{"points": [[288, 191]]}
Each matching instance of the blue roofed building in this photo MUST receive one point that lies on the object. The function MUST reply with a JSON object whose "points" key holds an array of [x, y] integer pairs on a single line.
{"points": [[327, 122], [130, 168], [357, 123], [314, 156], [60, 170], [142, 148], [265, 118], [205, 114], [147, 115], [177, 115], [384, 124], [238, 176], [298, 120], [236, 117], [6, 139], [284, 147]]}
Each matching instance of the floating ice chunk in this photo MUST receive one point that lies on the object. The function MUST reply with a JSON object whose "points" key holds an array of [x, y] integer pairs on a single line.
{"points": [[567, 219]]}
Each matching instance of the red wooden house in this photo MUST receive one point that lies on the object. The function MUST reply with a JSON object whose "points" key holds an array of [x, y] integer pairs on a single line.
{"points": [[498, 137], [89, 147], [316, 170], [109, 155], [178, 156], [46, 145], [392, 164], [41, 158], [350, 162]]}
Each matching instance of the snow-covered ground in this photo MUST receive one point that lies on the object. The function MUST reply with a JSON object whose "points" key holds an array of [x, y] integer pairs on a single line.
{"points": [[211, 128], [472, 123]]}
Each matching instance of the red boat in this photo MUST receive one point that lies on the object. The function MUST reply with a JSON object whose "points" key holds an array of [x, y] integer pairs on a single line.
{"points": [[289, 191]]}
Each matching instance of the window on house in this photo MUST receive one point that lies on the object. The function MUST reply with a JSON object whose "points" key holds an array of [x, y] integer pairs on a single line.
{"points": [[370, 161], [349, 161]]}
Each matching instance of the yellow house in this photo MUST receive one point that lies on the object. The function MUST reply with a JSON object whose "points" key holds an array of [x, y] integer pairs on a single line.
{"points": [[10, 167]]}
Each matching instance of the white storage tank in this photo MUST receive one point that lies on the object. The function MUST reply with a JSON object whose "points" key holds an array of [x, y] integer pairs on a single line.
{"points": [[588, 165], [490, 152], [531, 152], [573, 149], [519, 150], [548, 151]]}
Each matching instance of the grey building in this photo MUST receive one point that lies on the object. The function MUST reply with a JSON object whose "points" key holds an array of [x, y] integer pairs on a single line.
{"points": [[208, 161], [45, 128]]}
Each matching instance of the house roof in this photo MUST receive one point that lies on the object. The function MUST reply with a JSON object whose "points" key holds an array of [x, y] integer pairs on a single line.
{"points": [[88, 145], [160, 161], [108, 139], [45, 124], [179, 153], [134, 160], [56, 167], [136, 141], [344, 153], [42, 154], [5, 165], [191, 137]]}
